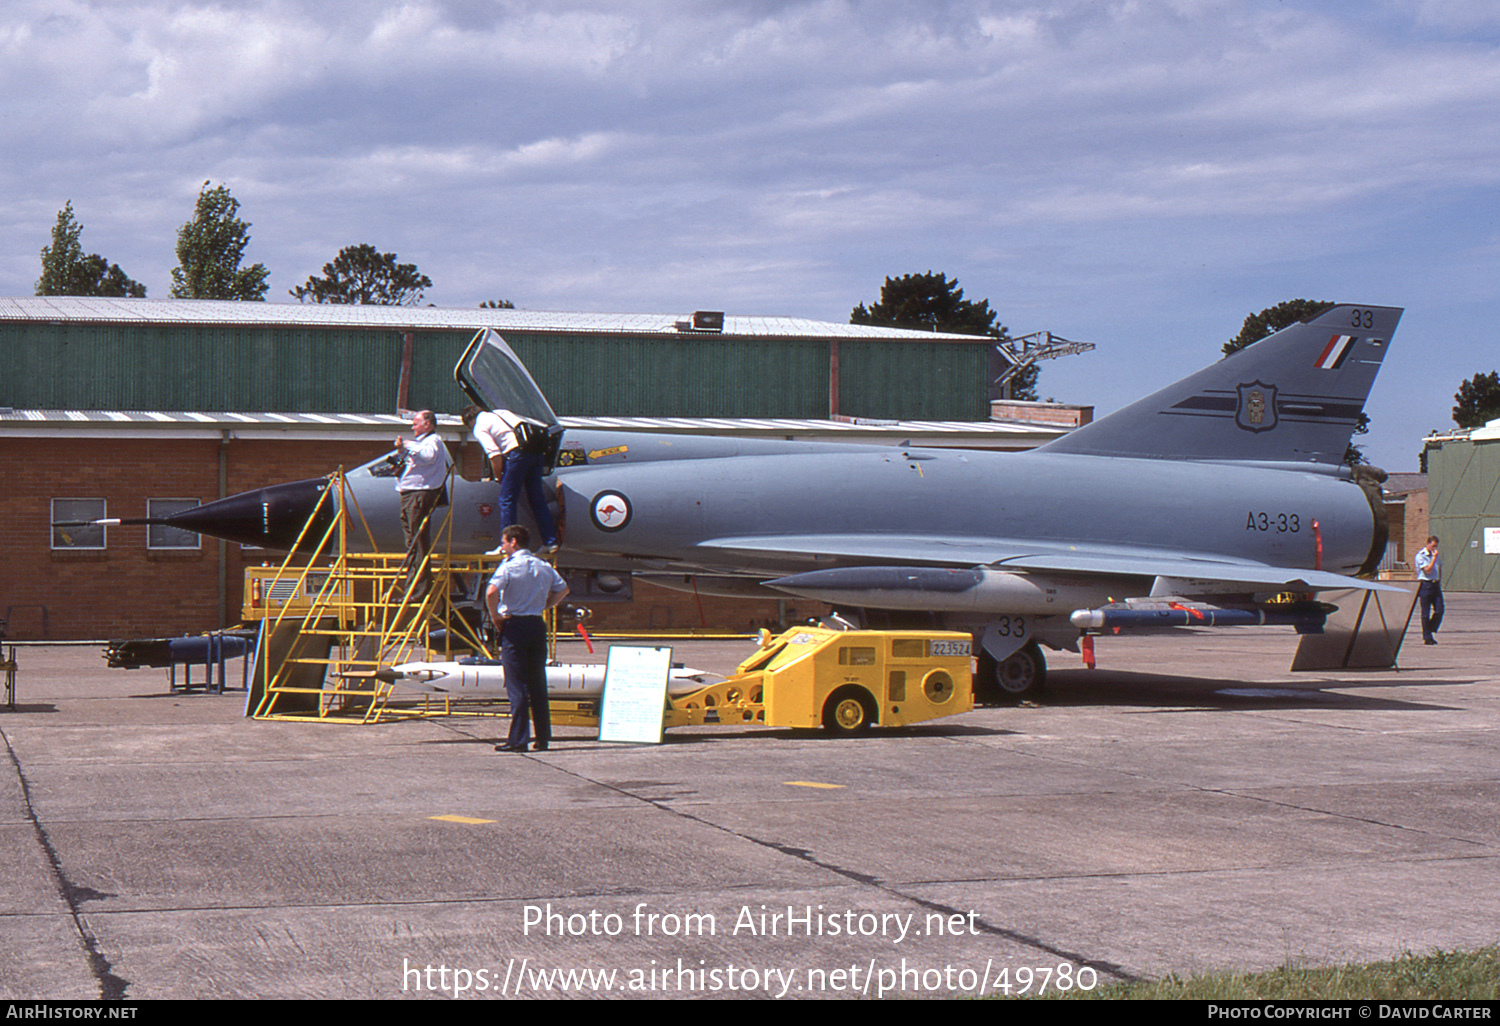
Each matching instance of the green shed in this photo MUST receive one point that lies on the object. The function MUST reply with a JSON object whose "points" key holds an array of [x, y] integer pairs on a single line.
{"points": [[1463, 482], [77, 353]]}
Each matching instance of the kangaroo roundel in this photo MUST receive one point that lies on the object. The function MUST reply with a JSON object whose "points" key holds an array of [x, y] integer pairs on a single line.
{"points": [[610, 511]]}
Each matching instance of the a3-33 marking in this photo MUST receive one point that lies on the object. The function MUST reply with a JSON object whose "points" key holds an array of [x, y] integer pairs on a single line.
{"points": [[1280, 522]]}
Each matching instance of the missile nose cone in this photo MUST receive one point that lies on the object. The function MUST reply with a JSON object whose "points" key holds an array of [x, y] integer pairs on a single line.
{"points": [[1084, 619], [270, 517]]}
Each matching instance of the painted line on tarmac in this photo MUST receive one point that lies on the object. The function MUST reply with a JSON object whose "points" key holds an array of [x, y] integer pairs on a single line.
{"points": [[451, 818]]}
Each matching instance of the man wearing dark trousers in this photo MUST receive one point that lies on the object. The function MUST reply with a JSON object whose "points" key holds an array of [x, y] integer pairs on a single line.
{"points": [[1430, 589], [521, 591], [421, 490]]}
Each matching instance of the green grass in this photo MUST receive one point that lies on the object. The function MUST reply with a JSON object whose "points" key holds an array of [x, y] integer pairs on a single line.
{"points": [[1446, 975]]}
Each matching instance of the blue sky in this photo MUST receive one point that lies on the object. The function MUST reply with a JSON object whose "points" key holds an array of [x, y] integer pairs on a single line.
{"points": [[1140, 175]]}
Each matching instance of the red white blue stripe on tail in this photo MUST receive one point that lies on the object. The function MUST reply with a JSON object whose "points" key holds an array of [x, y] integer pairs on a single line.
{"points": [[1338, 347]]}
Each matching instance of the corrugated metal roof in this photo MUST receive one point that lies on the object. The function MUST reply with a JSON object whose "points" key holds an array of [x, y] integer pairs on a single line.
{"points": [[90, 309], [1403, 484], [343, 426], [782, 426], [197, 424], [231, 419]]}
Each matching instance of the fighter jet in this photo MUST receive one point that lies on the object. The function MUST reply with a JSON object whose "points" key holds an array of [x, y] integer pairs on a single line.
{"points": [[1208, 502]]}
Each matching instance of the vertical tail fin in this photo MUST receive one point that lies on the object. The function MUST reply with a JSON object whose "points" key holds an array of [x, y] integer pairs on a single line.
{"points": [[1293, 397]]}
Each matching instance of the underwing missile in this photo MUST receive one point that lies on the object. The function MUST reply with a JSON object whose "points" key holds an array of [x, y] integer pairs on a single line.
{"points": [[1306, 617], [940, 589]]}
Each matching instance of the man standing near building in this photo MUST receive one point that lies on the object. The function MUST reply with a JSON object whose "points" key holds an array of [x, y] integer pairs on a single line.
{"points": [[420, 488], [520, 592], [1430, 589]]}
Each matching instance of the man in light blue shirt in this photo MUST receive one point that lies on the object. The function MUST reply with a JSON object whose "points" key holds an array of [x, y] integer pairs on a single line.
{"points": [[520, 592], [1430, 589]]}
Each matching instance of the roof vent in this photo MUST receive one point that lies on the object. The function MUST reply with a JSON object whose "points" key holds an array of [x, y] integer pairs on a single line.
{"points": [[704, 320]]}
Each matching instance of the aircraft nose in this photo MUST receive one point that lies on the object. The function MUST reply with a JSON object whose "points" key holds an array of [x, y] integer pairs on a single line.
{"points": [[270, 517]]}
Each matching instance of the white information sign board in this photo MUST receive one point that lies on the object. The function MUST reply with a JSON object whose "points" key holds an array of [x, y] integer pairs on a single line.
{"points": [[634, 705], [1492, 541]]}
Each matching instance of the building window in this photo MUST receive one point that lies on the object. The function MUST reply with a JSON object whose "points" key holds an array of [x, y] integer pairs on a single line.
{"points": [[161, 536], [67, 512]]}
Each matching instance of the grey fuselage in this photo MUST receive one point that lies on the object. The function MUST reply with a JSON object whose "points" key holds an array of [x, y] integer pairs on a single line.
{"points": [[800, 506], [765, 515]]}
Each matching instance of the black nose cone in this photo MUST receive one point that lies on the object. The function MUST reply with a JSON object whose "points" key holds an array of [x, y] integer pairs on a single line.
{"points": [[270, 517]]}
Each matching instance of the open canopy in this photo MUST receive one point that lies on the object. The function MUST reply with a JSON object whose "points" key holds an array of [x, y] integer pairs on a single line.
{"points": [[492, 375]]}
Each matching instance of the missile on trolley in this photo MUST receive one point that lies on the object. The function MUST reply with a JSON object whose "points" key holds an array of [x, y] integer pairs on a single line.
{"points": [[134, 653], [485, 678]]}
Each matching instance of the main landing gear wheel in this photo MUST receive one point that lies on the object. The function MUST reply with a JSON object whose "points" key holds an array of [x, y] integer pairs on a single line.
{"points": [[849, 710], [1017, 678]]}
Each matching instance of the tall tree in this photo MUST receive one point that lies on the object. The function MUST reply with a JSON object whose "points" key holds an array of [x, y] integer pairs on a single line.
{"points": [[361, 276], [928, 302], [67, 272], [1478, 400], [1271, 320], [931, 302], [210, 248], [497, 304]]}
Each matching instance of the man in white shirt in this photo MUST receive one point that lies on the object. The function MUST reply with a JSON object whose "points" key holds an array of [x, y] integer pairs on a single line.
{"points": [[514, 469], [420, 488], [494, 436]]}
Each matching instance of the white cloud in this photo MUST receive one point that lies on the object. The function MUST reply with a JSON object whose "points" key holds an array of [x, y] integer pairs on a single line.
{"points": [[1096, 158]]}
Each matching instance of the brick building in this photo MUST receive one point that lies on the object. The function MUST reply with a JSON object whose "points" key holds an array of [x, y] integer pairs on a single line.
{"points": [[126, 581]]}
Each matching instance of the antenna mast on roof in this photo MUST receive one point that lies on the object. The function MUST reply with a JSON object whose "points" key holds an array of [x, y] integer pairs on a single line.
{"points": [[1016, 354]]}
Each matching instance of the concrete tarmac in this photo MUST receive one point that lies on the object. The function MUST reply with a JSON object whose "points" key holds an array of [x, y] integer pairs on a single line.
{"points": [[1189, 805]]}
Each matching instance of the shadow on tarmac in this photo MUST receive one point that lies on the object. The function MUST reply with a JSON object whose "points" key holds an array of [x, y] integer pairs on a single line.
{"points": [[1125, 688]]}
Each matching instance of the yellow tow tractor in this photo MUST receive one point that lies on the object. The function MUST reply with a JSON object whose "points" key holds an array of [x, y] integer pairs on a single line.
{"points": [[846, 681]]}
